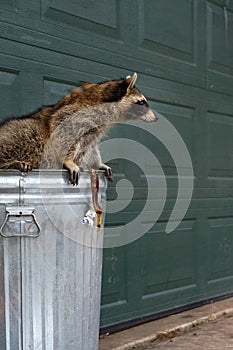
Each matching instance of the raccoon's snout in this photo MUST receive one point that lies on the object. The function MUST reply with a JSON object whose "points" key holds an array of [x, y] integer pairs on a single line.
{"points": [[140, 112], [149, 117], [145, 114]]}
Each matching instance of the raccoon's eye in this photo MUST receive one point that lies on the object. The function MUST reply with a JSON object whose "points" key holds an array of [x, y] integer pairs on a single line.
{"points": [[142, 103]]}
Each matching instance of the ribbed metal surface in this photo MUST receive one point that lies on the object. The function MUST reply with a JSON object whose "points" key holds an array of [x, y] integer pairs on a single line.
{"points": [[50, 285]]}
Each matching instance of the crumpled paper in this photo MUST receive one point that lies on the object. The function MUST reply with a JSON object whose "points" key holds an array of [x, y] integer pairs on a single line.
{"points": [[89, 217]]}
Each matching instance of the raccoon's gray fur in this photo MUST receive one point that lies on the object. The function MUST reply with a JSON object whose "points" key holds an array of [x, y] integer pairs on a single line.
{"points": [[66, 134]]}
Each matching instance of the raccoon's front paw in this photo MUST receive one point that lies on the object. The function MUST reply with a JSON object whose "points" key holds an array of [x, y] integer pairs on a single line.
{"points": [[74, 171], [107, 171], [74, 175], [25, 167]]}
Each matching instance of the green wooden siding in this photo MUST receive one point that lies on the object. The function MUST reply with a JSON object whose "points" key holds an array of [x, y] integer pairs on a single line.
{"points": [[183, 53]]}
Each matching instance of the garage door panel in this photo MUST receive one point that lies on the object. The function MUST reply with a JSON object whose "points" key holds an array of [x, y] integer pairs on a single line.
{"points": [[88, 15], [9, 93], [115, 280], [10, 5], [220, 46], [172, 34], [175, 37], [220, 146], [176, 268], [220, 251]]}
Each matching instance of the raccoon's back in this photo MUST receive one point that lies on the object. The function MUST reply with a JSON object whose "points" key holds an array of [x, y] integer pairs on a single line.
{"points": [[22, 140]]}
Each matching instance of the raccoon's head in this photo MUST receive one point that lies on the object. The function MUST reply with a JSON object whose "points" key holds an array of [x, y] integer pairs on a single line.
{"points": [[137, 104], [126, 99], [131, 102]]}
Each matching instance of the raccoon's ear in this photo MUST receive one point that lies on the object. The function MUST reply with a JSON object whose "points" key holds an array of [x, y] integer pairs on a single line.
{"points": [[131, 82]]}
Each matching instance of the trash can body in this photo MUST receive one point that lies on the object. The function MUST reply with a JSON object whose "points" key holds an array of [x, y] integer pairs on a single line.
{"points": [[50, 262]]}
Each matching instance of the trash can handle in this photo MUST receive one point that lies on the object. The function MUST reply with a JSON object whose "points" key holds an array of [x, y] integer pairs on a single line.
{"points": [[20, 221]]}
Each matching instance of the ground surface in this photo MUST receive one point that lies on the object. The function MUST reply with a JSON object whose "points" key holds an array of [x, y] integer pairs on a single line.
{"points": [[210, 335], [216, 335]]}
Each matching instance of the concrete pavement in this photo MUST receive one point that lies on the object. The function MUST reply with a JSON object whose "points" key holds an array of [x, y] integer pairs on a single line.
{"points": [[215, 335], [171, 330]]}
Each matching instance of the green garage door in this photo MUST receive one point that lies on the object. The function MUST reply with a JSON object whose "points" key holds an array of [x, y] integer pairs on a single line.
{"points": [[183, 53]]}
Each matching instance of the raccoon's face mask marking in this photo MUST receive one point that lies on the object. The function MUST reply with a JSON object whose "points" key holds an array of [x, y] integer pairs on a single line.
{"points": [[143, 103]]}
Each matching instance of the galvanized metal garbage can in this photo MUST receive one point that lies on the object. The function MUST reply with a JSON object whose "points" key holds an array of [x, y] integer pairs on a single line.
{"points": [[50, 262]]}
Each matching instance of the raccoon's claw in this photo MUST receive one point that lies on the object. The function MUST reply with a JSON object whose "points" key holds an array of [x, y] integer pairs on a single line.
{"points": [[25, 167], [107, 171], [74, 177]]}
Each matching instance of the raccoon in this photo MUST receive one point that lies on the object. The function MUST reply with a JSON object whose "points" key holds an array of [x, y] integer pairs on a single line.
{"points": [[67, 133]]}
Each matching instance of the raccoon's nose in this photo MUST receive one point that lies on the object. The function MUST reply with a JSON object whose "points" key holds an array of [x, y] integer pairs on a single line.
{"points": [[156, 117]]}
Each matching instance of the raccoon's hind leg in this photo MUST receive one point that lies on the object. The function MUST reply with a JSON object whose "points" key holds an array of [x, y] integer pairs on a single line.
{"points": [[95, 190]]}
